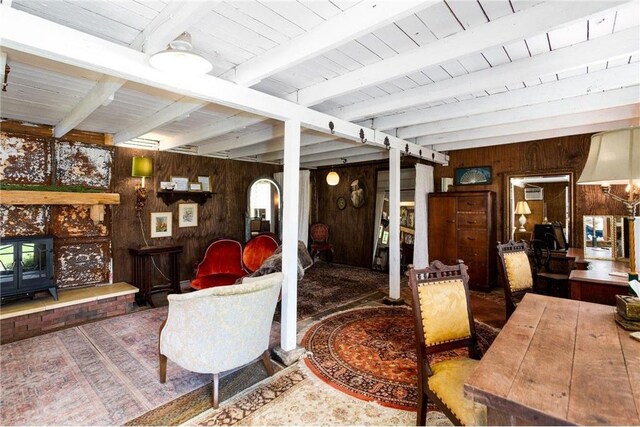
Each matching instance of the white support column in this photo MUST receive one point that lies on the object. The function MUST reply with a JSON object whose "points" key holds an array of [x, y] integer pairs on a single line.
{"points": [[290, 236], [394, 225]]}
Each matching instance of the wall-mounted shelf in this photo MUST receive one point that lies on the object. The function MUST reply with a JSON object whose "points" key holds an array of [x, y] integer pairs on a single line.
{"points": [[170, 197], [23, 197]]}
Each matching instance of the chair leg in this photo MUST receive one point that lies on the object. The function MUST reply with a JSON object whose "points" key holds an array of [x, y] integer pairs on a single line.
{"points": [[214, 393], [163, 368], [422, 410], [266, 360]]}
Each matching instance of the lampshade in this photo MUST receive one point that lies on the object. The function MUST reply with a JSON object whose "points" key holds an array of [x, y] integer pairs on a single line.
{"points": [[614, 158], [178, 58], [141, 167], [522, 208], [333, 178]]}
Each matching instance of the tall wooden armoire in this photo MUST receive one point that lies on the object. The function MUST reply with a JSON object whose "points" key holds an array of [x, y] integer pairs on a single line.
{"points": [[462, 226]]}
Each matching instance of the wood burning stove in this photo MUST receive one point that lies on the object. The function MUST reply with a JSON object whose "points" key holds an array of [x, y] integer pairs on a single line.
{"points": [[26, 266]]}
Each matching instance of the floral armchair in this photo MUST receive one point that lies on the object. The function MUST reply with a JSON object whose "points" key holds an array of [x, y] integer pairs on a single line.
{"points": [[221, 328]]}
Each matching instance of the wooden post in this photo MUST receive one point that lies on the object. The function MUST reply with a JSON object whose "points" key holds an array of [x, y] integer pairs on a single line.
{"points": [[290, 234], [394, 224]]}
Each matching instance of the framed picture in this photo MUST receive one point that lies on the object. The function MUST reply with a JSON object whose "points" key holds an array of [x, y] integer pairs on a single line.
{"points": [[195, 186], [167, 185], [385, 237], [161, 224], [480, 175], [206, 182], [187, 215], [181, 182]]}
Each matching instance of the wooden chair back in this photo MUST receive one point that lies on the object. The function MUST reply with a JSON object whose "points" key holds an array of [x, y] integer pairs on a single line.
{"points": [[319, 232], [435, 331], [443, 322], [516, 271]]}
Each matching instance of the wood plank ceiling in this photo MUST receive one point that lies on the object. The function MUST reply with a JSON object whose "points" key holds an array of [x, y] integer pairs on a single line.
{"points": [[442, 74]]}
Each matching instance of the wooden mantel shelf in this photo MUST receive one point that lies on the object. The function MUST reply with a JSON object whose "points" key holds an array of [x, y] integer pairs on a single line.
{"points": [[21, 197]]}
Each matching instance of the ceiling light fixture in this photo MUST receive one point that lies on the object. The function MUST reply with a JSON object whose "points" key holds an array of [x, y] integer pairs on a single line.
{"points": [[179, 58]]}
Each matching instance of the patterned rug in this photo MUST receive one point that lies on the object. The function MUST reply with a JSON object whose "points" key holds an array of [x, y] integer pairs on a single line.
{"points": [[370, 353], [101, 373], [295, 397], [327, 286]]}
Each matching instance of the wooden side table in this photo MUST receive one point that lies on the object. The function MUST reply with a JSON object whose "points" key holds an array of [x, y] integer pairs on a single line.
{"points": [[142, 271]]}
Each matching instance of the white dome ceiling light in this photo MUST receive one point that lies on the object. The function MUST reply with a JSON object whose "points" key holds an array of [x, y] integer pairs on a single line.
{"points": [[178, 58]]}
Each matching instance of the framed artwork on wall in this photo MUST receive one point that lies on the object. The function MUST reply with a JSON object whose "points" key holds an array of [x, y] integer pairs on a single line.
{"points": [[161, 224], [205, 181], [479, 175], [182, 183], [188, 215]]}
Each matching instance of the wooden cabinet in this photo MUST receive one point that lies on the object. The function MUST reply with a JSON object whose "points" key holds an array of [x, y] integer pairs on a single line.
{"points": [[462, 226]]}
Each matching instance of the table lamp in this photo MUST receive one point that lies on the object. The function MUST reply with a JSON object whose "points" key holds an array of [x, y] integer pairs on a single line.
{"points": [[614, 158], [522, 209]]}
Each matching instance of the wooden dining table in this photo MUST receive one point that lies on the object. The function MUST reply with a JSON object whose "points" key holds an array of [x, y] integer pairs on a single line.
{"points": [[559, 362]]}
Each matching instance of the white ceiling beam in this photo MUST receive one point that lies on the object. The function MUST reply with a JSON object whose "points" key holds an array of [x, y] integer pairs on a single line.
{"points": [[344, 153], [172, 21], [268, 148], [213, 130], [163, 29], [60, 43], [182, 107], [539, 135], [317, 148], [245, 140], [529, 22], [623, 76], [363, 18], [528, 126], [578, 104], [3, 64], [582, 54], [382, 155], [103, 90]]}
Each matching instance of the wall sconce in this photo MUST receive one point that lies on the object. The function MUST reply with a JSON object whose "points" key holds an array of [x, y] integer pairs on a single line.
{"points": [[522, 209], [141, 167], [96, 213], [333, 178], [614, 158]]}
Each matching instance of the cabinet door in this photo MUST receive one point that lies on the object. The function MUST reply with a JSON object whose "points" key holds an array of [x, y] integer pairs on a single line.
{"points": [[472, 249], [442, 229], [7, 267]]}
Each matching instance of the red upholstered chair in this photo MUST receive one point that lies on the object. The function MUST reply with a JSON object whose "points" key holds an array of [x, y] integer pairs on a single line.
{"points": [[221, 265], [320, 235], [258, 249]]}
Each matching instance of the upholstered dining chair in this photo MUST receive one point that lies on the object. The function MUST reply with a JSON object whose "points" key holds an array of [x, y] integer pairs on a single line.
{"points": [[443, 322], [218, 329], [516, 272], [320, 241]]}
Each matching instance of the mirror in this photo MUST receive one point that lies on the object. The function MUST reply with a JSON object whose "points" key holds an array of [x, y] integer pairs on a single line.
{"points": [[540, 199], [263, 208], [606, 237], [380, 260]]}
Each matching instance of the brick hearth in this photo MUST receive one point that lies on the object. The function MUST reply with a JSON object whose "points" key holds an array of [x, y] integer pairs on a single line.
{"points": [[24, 319]]}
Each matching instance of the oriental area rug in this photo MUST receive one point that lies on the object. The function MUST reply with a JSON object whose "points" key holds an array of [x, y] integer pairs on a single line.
{"points": [[296, 397], [369, 353]]}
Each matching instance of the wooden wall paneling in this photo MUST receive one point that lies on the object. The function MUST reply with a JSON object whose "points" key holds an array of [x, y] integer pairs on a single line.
{"points": [[221, 216], [26, 159], [350, 229], [567, 154], [31, 220], [81, 262]]}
